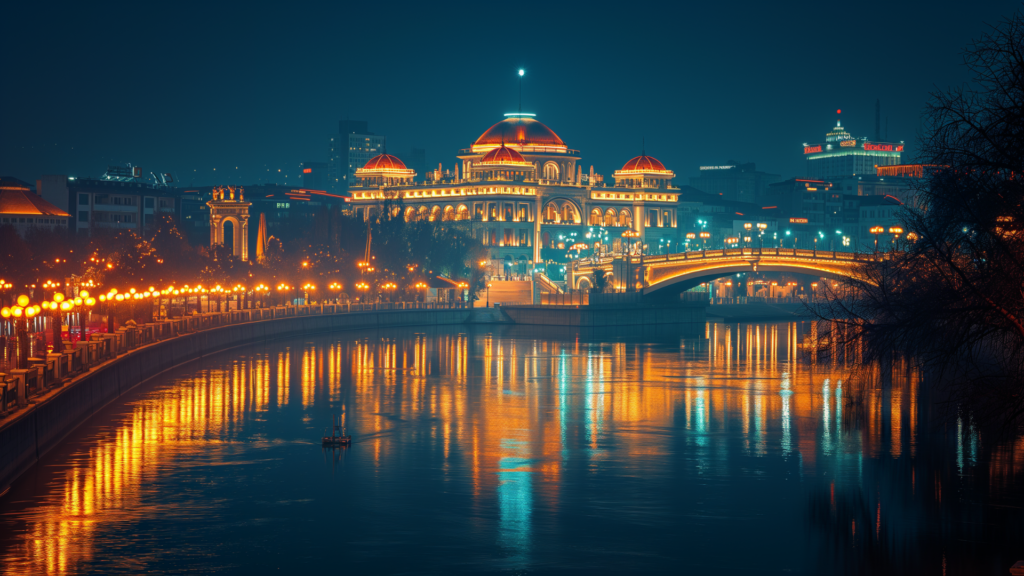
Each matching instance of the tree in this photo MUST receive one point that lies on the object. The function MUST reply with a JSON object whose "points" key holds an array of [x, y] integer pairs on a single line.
{"points": [[952, 296]]}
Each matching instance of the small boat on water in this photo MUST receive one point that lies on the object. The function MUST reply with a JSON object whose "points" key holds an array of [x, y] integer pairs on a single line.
{"points": [[336, 438]]}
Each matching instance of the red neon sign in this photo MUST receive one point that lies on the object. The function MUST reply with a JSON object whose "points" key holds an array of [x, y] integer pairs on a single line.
{"points": [[307, 170], [883, 147], [812, 149]]}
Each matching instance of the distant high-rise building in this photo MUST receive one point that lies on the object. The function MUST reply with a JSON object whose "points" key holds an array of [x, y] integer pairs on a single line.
{"points": [[350, 149], [734, 181], [314, 175], [418, 162], [841, 155]]}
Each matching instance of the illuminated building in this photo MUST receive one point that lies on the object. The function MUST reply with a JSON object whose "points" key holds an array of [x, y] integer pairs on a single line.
{"points": [[841, 155], [734, 181], [349, 150], [815, 203], [227, 209], [108, 202], [23, 209], [521, 191], [314, 175]]}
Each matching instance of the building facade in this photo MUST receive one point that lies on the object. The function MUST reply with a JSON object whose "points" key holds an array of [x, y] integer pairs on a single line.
{"points": [[349, 150], [734, 181], [315, 176], [842, 156], [521, 191], [96, 203], [23, 209]]}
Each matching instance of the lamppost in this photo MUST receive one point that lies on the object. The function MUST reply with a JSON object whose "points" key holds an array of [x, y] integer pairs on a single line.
{"points": [[895, 231], [629, 235], [488, 295], [731, 240], [336, 288], [21, 312], [306, 289], [690, 236], [362, 287], [876, 230], [462, 291], [761, 227], [748, 226], [704, 237]]}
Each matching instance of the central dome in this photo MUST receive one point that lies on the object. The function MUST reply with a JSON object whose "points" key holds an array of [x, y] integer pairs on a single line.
{"points": [[519, 132]]}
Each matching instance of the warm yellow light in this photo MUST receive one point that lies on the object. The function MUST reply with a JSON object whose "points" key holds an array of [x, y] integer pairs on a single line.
{"points": [[23, 300], [132, 291], [65, 306], [119, 297], [90, 302], [30, 311], [85, 293], [16, 311], [5, 312], [58, 297]]}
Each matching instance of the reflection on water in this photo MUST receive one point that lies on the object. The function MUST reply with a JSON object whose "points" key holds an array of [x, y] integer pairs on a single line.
{"points": [[526, 451]]}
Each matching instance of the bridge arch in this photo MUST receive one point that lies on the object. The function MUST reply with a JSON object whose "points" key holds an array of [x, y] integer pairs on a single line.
{"points": [[690, 277]]}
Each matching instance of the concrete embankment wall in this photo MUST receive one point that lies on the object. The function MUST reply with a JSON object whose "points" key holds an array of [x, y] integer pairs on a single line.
{"points": [[594, 317], [32, 434]]}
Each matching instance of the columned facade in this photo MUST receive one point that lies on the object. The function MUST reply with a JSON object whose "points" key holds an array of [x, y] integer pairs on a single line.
{"points": [[226, 208]]}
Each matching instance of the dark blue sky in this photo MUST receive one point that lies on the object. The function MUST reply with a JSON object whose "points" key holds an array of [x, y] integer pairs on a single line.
{"points": [[191, 87]]}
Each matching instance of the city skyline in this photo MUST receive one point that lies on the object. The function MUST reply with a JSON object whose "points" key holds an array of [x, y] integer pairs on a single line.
{"points": [[214, 123]]}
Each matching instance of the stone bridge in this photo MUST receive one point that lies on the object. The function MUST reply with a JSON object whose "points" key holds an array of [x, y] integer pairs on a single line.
{"points": [[673, 273]]}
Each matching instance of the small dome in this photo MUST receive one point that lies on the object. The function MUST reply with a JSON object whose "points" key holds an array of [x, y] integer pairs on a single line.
{"points": [[505, 156], [518, 131], [643, 163], [384, 162]]}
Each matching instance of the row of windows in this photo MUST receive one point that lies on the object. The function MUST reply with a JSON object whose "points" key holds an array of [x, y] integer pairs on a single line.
{"points": [[31, 221], [510, 237]]}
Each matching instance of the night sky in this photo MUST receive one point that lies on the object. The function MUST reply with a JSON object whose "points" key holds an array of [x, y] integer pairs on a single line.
{"points": [[189, 88]]}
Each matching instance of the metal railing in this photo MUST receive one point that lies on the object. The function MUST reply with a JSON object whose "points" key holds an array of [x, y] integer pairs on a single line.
{"points": [[48, 371]]}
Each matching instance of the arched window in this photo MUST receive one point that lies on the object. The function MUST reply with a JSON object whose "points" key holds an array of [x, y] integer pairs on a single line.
{"points": [[569, 213], [551, 171], [449, 213], [625, 219], [551, 213], [595, 217], [410, 214], [462, 213], [609, 217], [435, 213]]}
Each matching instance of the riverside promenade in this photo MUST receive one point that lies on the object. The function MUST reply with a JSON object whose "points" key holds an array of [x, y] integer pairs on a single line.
{"points": [[43, 404]]}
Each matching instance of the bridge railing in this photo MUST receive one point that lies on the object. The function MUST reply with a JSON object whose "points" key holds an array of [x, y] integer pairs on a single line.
{"points": [[744, 252]]}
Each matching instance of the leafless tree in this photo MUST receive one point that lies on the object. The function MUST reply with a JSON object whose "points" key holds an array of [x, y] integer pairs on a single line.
{"points": [[951, 294]]}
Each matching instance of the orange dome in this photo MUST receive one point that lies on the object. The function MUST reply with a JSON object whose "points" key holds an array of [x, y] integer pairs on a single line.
{"points": [[518, 131], [643, 163], [384, 162], [505, 156]]}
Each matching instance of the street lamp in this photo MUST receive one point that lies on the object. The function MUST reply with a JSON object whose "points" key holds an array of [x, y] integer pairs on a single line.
{"points": [[876, 230], [629, 235], [895, 231], [488, 295], [704, 236]]}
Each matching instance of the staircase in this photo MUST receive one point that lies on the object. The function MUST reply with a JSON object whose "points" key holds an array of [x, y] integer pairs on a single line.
{"points": [[506, 292]]}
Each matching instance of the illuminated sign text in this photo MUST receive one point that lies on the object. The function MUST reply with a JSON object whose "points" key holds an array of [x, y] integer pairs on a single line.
{"points": [[307, 170], [798, 220], [848, 143], [812, 149], [716, 167], [883, 147]]}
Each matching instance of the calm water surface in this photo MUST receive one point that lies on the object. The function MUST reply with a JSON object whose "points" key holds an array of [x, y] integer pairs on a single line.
{"points": [[523, 451]]}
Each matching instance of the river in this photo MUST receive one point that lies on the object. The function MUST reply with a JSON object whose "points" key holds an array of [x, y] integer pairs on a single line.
{"points": [[527, 451]]}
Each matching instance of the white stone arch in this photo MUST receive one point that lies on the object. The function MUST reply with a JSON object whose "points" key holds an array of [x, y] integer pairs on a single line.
{"points": [[551, 170], [435, 213], [584, 284]]}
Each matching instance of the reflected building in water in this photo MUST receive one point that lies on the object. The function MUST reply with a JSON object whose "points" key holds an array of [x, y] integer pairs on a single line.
{"points": [[511, 416]]}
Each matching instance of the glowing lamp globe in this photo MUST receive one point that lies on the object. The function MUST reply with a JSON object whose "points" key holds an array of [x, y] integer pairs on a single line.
{"points": [[85, 293], [58, 297], [5, 312], [16, 311], [22, 300]]}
